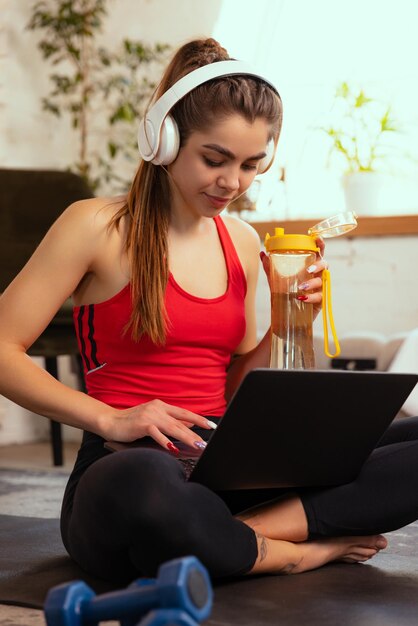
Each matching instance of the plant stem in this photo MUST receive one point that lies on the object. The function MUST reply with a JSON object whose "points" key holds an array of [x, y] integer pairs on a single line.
{"points": [[83, 110]]}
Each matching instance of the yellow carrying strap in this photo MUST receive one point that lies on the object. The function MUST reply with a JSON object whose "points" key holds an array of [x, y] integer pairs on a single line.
{"points": [[327, 310]]}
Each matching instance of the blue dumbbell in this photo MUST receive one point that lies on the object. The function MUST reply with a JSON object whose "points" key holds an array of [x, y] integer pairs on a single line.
{"points": [[181, 584], [168, 617]]}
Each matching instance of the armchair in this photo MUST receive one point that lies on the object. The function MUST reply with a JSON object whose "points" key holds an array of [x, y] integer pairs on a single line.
{"points": [[30, 201]]}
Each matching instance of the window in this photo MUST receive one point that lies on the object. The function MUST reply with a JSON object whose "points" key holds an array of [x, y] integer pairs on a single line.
{"points": [[308, 48]]}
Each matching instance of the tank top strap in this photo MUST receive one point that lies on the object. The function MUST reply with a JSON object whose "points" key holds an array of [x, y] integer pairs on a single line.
{"points": [[235, 269]]}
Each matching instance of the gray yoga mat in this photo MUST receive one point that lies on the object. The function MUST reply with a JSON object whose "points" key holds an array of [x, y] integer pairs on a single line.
{"points": [[383, 592]]}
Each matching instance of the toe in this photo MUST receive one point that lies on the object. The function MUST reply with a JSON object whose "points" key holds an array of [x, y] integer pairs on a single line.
{"points": [[381, 542]]}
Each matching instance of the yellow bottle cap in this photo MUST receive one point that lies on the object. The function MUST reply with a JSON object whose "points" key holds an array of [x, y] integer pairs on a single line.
{"points": [[280, 241]]}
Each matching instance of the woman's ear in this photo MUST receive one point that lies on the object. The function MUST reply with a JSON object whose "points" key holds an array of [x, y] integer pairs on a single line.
{"points": [[267, 161]]}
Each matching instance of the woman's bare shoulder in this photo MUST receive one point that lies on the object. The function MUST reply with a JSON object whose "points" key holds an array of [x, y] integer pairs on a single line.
{"points": [[247, 244], [84, 224], [241, 232], [82, 230], [98, 211]]}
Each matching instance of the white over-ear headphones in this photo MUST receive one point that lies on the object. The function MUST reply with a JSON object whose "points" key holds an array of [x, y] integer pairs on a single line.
{"points": [[158, 134]]}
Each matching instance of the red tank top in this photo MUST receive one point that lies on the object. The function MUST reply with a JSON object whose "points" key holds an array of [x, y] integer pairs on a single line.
{"points": [[189, 371]]}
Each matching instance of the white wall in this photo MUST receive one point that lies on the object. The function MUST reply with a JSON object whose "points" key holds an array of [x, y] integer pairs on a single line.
{"points": [[18, 425]]}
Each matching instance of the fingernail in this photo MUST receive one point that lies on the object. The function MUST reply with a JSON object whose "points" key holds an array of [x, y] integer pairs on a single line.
{"points": [[212, 424], [173, 448], [303, 286], [262, 255], [311, 269], [380, 543], [302, 298], [200, 444]]}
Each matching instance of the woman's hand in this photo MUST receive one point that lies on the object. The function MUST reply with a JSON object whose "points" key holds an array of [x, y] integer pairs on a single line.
{"points": [[158, 420], [310, 290]]}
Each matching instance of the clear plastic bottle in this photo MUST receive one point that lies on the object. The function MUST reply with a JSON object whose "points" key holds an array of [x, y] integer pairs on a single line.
{"points": [[291, 319]]}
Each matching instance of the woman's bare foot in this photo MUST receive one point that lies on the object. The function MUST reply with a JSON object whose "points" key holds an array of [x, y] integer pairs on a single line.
{"points": [[276, 556], [281, 529]]}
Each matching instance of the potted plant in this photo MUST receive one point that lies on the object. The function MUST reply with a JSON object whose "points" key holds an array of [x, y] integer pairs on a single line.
{"points": [[103, 91], [360, 136]]}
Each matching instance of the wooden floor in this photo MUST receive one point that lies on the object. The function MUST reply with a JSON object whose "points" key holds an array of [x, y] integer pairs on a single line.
{"points": [[18, 616], [36, 456]]}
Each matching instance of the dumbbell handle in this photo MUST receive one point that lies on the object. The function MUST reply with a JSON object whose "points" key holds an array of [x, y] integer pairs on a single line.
{"points": [[118, 605]]}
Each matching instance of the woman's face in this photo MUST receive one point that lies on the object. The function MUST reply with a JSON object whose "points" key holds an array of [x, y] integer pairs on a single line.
{"points": [[215, 166]]}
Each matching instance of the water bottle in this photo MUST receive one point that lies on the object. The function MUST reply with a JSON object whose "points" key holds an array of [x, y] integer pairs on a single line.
{"points": [[291, 318]]}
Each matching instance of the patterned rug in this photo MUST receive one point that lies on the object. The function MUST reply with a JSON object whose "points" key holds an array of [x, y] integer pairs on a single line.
{"points": [[30, 493]]}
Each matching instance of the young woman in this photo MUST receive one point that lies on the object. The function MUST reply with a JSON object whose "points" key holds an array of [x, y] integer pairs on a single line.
{"points": [[164, 290]]}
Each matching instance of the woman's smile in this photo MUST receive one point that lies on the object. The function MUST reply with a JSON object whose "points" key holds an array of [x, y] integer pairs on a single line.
{"points": [[217, 201]]}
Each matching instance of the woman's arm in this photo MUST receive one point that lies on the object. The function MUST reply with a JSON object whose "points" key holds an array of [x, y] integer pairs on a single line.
{"points": [[69, 252], [241, 364], [27, 306], [249, 355]]}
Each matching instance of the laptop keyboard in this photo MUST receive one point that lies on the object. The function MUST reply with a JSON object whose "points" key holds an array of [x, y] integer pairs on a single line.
{"points": [[188, 466]]}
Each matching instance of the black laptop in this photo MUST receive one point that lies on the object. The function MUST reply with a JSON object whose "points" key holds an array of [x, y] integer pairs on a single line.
{"points": [[295, 428]]}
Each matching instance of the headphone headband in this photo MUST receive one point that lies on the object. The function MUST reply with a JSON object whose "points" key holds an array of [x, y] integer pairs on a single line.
{"points": [[150, 131]]}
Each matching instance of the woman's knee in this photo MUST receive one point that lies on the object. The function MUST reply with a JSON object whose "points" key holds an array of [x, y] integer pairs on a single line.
{"points": [[131, 467], [402, 429], [130, 483]]}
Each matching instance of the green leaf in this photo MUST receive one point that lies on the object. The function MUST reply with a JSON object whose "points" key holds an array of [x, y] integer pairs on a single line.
{"points": [[342, 91], [49, 106], [386, 123], [112, 149], [123, 113], [361, 100]]}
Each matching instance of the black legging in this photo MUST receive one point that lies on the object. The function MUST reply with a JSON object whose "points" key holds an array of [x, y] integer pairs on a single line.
{"points": [[125, 513]]}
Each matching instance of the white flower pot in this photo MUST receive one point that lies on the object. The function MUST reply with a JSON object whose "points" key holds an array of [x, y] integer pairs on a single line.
{"points": [[362, 191]]}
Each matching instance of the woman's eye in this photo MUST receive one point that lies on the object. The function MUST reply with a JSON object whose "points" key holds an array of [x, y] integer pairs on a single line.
{"points": [[212, 163], [245, 166]]}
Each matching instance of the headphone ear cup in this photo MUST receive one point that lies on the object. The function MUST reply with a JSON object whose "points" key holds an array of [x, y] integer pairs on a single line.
{"points": [[146, 139], [267, 161], [169, 143], [165, 148]]}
